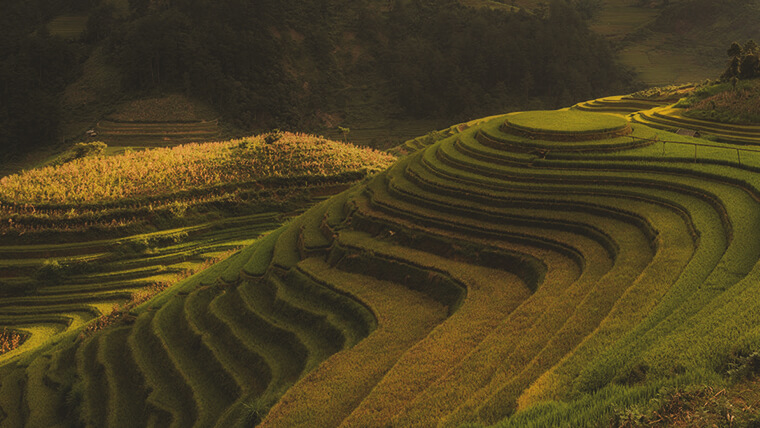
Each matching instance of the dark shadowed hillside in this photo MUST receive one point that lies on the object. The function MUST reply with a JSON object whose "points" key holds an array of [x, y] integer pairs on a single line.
{"points": [[300, 65]]}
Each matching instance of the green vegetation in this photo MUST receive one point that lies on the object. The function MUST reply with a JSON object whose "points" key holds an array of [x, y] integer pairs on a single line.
{"points": [[672, 119], [161, 121], [570, 274], [728, 110], [687, 39], [565, 122], [121, 229], [695, 405], [620, 105], [577, 267], [725, 103], [360, 65], [193, 168]]}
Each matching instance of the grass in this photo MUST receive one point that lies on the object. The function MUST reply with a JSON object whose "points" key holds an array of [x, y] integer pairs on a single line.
{"points": [[565, 122], [352, 374], [725, 104], [486, 305], [422, 413], [196, 166], [58, 290], [93, 384], [152, 122], [169, 392], [489, 4], [481, 169], [621, 105], [672, 118], [126, 386], [486, 278], [41, 396], [241, 363], [213, 388], [659, 61]]}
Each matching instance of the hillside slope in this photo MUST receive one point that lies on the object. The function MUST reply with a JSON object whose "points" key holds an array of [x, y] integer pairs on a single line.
{"points": [[545, 267], [384, 67], [84, 242]]}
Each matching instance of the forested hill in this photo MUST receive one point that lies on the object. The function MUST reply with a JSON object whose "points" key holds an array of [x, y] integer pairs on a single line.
{"points": [[292, 64]]}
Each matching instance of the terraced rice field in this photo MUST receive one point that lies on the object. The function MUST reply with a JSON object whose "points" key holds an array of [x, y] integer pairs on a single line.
{"points": [[512, 273], [672, 118], [155, 133], [158, 121], [79, 253], [621, 105]]}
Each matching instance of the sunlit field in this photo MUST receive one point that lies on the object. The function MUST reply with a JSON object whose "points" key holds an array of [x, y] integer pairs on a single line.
{"points": [[544, 268]]}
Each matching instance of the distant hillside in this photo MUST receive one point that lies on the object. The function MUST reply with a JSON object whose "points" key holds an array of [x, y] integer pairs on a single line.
{"points": [[300, 65], [667, 41]]}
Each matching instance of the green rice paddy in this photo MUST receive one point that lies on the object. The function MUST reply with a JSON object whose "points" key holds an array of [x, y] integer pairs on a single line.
{"points": [[562, 275], [565, 122]]}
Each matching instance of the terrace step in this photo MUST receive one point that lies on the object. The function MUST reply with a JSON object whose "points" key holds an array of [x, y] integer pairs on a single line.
{"points": [[283, 354], [631, 267], [199, 129], [170, 401], [237, 360], [619, 104], [494, 226], [492, 294], [670, 120], [213, 388], [94, 387], [352, 319], [62, 367], [45, 400], [320, 337], [592, 175], [325, 396], [312, 240], [261, 258], [128, 395], [13, 408]]}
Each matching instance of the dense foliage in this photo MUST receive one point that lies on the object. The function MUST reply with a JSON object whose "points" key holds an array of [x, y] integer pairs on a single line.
{"points": [[34, 69], [443, 59], [285, 63], [744, 61], [448, 60]]}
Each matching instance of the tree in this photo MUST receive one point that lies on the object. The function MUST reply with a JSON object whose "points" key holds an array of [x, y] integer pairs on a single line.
{"points": [[101, 22], [588, 8], [732, 71], [750, 67], [735, 51], [751, 48]]}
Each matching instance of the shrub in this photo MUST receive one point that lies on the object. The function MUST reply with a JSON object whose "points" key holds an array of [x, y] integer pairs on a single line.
{"points": [[274, 136], [743, 367], [50, 273], [95, 148]]}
